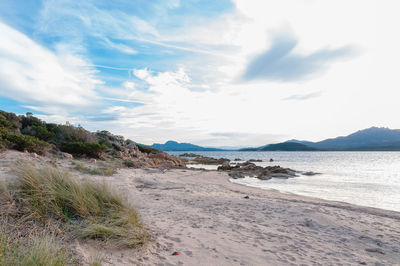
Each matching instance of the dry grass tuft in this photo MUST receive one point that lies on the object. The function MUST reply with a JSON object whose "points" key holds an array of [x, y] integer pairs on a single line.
{"points": [[94, 210], [104, 171], [39, 250]]}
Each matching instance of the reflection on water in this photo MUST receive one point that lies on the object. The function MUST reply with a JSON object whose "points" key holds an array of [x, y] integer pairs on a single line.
{"points": [[363, 178]]}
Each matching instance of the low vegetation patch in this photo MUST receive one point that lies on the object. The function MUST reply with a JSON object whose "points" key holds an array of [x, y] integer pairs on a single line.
{"points": [[147, 149], [101, 212], [41, 249], [52, 200], [89, 149], [105, 171], [129, 163], [22, 142]]}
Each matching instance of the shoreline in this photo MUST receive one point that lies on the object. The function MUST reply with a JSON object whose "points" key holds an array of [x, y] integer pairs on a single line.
{"points": [[313, 197]]}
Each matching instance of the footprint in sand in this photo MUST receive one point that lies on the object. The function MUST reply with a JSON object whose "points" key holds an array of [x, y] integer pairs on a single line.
{"points": [[188, 253], [175, 239]]}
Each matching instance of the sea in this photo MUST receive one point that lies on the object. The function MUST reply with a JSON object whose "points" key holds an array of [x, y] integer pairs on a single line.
{"points": [[363, 178]]}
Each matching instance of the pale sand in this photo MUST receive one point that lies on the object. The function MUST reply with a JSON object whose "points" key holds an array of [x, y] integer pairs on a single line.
{"points": [[206, 218]]}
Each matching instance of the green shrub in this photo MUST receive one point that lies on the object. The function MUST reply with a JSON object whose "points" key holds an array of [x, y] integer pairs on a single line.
{"points": [[90, 149], [24, 142], [4, 123], [13, 120], [29, 120], [147, 149], [40, 132], [4, 133], [65, 134], [129, 163]]}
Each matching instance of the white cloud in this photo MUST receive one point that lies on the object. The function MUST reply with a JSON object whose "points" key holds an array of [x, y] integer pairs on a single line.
{"points": [[37, 76], [171, 110]]}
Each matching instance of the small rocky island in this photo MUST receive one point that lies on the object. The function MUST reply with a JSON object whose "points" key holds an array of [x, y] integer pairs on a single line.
{"points": [[246, 169]]}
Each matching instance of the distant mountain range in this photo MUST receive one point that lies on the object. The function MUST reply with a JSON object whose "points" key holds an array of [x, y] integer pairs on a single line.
{"points": [[284, 146], [176, 146], [370, 139]]}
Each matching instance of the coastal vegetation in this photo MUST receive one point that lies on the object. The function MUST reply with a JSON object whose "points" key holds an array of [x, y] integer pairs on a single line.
{"points": [[104, 171], [45, 199], [146, 149], [29, 133]]}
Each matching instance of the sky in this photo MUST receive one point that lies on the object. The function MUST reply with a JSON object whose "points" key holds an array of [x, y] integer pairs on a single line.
{"points": [[213, 73]]}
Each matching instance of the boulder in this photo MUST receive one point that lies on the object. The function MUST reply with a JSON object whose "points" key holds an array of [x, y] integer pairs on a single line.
{"points": [[224, 167], [309, 173], [67, 155], [189, 155], [281, 175], [254, 160]]}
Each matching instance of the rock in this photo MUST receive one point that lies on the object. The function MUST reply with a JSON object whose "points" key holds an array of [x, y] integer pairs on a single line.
{"points": [[237, 159], [34, 155], [250, 166], [224, 167], [375, 250], [242, 170], [246, 197], [236, 175], [209, 160], [264, 177], [93, 160], [189, 155], [310, 173], [271, 160], [281, 175], [254, 160], [67, 155]]}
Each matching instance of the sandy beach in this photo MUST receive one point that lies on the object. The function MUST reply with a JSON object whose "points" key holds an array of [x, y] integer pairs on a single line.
{"points": [[208, 220]]}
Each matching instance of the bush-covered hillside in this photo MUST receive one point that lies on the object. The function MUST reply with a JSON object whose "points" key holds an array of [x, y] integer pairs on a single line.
{"points": [[27, 132]]}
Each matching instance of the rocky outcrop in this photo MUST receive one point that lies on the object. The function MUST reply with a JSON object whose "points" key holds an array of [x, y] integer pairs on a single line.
{"points": [[188, 155], [249, 169], [199, 159], [133, 157]]}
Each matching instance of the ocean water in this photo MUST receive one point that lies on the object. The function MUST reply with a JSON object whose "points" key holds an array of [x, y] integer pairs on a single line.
{"points": [[363, 178]]}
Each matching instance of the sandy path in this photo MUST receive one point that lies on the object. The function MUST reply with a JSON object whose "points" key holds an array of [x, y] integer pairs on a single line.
{"points": [[208, 221]]}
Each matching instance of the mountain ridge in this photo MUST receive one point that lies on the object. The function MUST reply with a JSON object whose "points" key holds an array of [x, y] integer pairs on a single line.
{"points": [[176, 146], [369, 139]]}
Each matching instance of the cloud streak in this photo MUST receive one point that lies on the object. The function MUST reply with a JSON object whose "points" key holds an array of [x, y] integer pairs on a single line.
{"points": [[303, 97], [280, 63]]}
